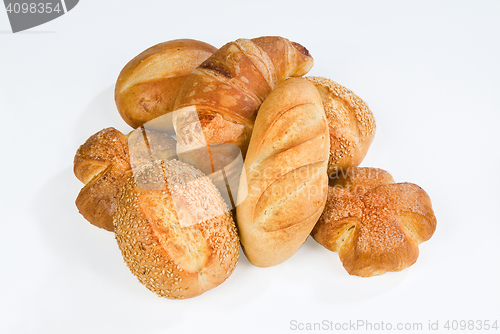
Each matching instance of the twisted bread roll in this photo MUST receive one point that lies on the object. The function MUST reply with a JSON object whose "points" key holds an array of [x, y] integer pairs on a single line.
{"points": [[147, 86], [175, 231], [373, 223], [226, 90], [103, 163], [285, 174], [351, 123]]}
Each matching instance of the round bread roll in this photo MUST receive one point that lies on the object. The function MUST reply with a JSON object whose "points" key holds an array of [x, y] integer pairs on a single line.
{"points": [[148, 85], [174, 230], [351, 124], [374, 224]]}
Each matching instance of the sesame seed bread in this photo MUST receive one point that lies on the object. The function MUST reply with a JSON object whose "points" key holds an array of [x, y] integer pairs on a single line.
{"points": [[351, 123], [148, 84], [285, 174], [373, 223], [175, 231]]}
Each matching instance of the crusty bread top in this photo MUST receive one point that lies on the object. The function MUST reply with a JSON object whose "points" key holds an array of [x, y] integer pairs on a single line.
{"points": [[373, 223], [283, 191], [104, 162], [175, 231], [104, 148], [351, 123], [228, 88], [147, 86], [101, 163]]}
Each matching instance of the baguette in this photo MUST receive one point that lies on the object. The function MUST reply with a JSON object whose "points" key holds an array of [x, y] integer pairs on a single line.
{"points": [[285, 173]]}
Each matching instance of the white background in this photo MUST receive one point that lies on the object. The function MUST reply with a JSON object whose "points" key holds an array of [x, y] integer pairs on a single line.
{"points": [[429, 71]]}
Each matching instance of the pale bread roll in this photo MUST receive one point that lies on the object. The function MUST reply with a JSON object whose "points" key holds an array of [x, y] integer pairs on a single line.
{"points": [[285, 174]]}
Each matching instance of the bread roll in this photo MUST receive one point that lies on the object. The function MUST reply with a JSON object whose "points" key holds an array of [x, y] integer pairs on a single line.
{"points": [[175, 231], [147, 86], [351, 123], [101, 163], [373, 223], [285, 173], [104, 162], [219, 100]]}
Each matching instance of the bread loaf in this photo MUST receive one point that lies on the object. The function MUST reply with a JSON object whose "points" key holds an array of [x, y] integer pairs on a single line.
{"points": [[350, 121], [221, 97], [175, 231], [373, 223], [147, 86], [285, 173]]}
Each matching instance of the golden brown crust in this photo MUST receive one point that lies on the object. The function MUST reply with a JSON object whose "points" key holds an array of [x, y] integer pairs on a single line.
{"points": [[352, 124], [285, 174], [374, 224], [147, 86], [179, 240], [360, 180], [101, 163], [227, 89]]}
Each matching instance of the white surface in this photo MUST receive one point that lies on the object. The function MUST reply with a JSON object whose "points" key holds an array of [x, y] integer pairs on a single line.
{"points": [[429, 71]]}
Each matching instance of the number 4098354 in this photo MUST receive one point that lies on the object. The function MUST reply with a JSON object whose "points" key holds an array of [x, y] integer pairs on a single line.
{"points": [[33, 7]]}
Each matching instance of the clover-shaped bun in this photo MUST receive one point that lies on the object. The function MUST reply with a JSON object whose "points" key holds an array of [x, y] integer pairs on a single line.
{"points": [[101, 163], [373, 223]]}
